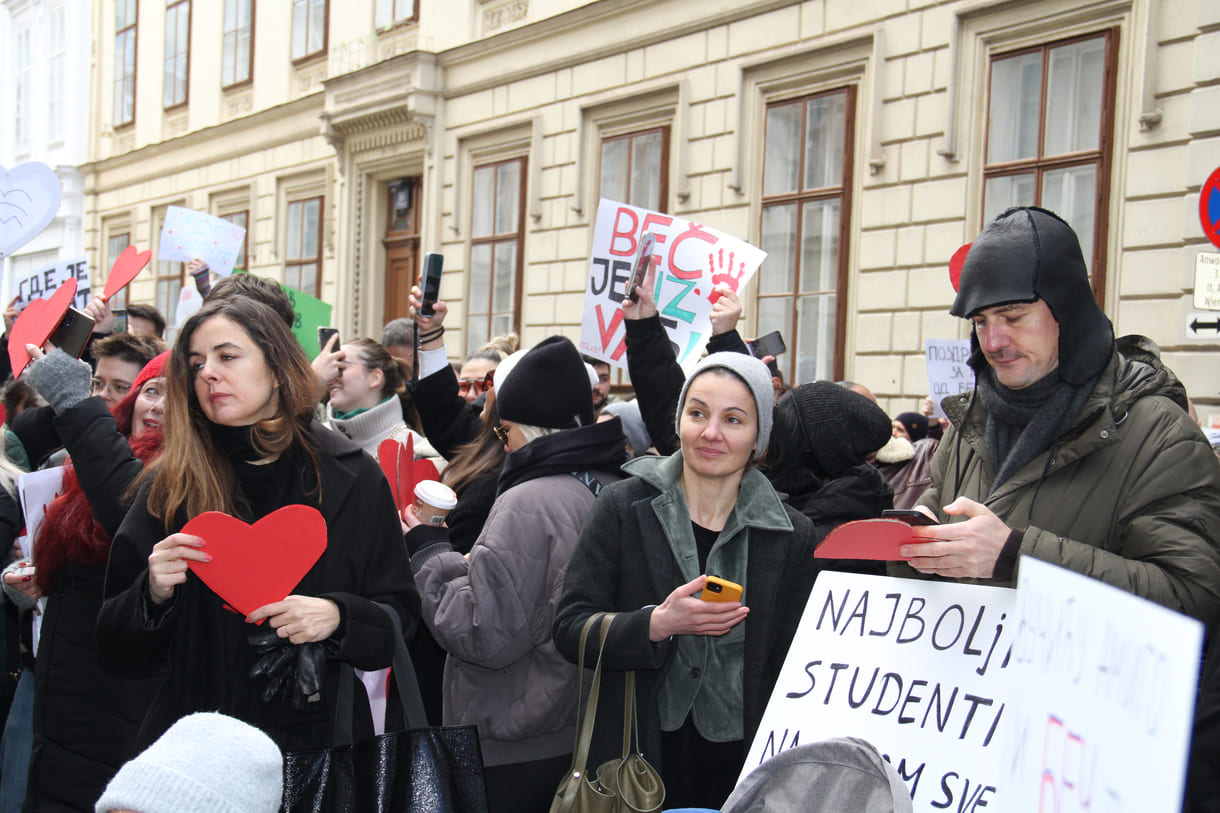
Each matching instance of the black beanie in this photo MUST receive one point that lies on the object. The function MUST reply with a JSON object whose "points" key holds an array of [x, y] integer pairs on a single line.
{"points": [[841, 427], [916, 425], [549, 388], [1028, 254]]}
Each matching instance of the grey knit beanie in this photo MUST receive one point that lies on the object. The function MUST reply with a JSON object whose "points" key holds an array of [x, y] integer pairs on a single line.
{"points": [[204, 763], [756, 377]]}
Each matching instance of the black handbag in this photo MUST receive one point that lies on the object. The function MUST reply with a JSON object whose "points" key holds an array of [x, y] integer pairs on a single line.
{"points": [[421, 770]]}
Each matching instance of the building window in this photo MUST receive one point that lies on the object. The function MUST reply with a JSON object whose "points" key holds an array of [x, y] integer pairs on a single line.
{"points": [[635, 168], [21, 108], [124, 62], [805, 212], [114, 247], [391, 12], [303, 266], [1049, 135], [56, 68], [308, 28], [496, 251], [241, 219], [177, 52], [237, 50]]}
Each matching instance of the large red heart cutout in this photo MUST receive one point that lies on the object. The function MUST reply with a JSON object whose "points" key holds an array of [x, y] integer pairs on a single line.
{"points": [[254, 565], [37, 322], [877, 539], [125, 268]]}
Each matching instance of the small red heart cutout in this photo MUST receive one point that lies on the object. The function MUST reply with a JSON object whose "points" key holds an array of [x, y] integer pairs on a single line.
{"points": [[876, 539], [955, 265], [129, 263], [254, 565], [37, 322], [389, 456], [424, 469]]}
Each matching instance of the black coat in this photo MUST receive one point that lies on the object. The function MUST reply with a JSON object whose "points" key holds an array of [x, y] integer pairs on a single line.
{"points": [[445, 417], [206, 645], [85, 719]]}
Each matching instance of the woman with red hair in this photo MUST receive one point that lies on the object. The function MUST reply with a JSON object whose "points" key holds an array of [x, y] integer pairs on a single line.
{"points": [[85, 719]]}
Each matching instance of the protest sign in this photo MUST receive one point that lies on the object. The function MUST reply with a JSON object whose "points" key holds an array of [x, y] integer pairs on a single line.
{"points": [[949, 370], [1103, 718], [914, 667], [692, 260], [189, 301], [41, 284], [36, 490], [29, 200], [187, 234], [311, 314]]}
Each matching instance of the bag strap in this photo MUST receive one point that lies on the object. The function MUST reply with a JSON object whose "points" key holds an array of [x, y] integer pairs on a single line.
{"points": [[405, 679], [587, 715], [589, 480]]}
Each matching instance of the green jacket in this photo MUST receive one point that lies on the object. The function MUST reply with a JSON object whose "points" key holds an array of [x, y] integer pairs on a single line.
{"points": [[1130, 495]]}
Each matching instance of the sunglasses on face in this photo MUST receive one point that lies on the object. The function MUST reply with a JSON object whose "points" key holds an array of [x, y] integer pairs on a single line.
{"points": [[479, 385]]}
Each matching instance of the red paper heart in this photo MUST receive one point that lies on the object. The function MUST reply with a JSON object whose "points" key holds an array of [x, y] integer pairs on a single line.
{"points": [[402, 472], [389, 452], [877, 539], [125, 268], [37, 322], [254, 565], [955, 265]]}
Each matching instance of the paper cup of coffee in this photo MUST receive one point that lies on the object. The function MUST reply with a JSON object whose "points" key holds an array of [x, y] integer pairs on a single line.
{"points": [[433, 501]]}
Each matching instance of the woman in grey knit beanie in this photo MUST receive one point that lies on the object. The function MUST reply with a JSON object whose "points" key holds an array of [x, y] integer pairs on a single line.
{"points": [[204, 763]]}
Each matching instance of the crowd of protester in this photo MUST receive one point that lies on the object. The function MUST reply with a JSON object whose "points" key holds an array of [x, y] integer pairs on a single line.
{"points": [[1076, 447]]}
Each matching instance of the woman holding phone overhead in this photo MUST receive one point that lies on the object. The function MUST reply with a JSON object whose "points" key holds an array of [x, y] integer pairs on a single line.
{"points": [[240, 439], [704, 669]]}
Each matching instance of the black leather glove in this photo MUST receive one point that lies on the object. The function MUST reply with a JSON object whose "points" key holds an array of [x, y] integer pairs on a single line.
{"points": [[294, 672]]}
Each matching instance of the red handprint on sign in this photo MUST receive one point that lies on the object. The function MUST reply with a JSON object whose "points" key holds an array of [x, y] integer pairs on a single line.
{"points": [[724, 273]]}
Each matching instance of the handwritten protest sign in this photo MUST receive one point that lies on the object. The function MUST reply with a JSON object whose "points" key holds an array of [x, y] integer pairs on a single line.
{"points": [[37, 490], [692, 260], [29, 200], [1103, 720], [187, 234], [311, 314], [949, 372], [41, 284], [914, 667]]}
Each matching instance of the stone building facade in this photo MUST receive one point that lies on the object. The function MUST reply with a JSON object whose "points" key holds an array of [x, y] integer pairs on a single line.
{"points": [[859, 143]]}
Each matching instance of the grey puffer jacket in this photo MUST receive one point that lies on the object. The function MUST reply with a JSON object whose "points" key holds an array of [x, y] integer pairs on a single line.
{"points": [[493, 612], [1130, 495]]}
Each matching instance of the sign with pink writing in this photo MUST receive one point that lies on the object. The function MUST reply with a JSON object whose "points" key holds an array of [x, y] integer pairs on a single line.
{"points": [[187, 234], [692, 261]]}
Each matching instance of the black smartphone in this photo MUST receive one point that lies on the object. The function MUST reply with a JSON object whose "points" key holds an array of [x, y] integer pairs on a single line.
{"points": [[642, 260], [73, 332], [772, 344], [908, 515], [434, 264], [324, 334]]}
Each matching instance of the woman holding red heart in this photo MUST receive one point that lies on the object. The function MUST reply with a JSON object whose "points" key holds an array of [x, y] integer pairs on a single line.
{"points": [[241, 440]]}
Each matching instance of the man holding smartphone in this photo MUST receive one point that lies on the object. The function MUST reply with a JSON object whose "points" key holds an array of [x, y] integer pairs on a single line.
{"points": [[1074, 448]]}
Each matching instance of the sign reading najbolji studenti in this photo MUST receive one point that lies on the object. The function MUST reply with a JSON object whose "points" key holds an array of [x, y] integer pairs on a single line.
{"points": [[917, 668]]}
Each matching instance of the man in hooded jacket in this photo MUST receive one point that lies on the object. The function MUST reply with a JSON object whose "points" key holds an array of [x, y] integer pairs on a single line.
{"points": [[1073, 447]]}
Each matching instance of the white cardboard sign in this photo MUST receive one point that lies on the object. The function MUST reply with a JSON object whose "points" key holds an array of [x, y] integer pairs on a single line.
{"points": [[693, 259], [949, 370], [37, 490], [1104, 716], [42, 283], [187, 234], [917, 668], [29, 200]]}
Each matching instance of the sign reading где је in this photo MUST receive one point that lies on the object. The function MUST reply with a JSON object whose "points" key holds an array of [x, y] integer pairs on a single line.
{"points": [[914, 667], [949, 370], [41, 284], [1106, 704], [693, 260]]}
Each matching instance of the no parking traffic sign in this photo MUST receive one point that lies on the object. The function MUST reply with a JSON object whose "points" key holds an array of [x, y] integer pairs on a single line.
{"points": [[1209, 207]]}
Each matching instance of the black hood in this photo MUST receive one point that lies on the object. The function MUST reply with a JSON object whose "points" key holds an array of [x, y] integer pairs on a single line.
{"points": [[1028, 254]]}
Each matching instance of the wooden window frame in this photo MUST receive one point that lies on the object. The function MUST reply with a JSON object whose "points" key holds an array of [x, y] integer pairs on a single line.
{"points": [[666, 131], [133, 28], [174, 5], [249, 80], [383, 28], [843, 193], [245, 240], [494, 239], [311, 55], [316, 260], [1102, 157], [122, 297]]}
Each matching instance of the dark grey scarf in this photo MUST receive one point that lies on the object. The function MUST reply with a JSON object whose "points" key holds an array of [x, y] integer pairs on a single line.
{"points": [[1022, 424]]}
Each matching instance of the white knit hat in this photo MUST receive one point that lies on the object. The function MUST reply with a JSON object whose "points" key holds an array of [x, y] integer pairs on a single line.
{"points": [[204, 763]]}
